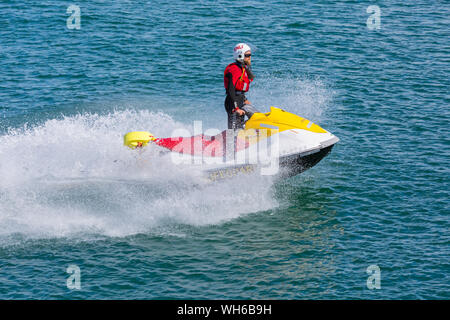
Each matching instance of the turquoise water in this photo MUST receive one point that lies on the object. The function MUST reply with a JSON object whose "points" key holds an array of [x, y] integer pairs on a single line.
{"points": [[381, 197]]}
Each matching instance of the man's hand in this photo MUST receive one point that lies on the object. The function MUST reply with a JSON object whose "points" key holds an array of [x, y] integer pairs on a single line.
{"points": [[240, 112]]}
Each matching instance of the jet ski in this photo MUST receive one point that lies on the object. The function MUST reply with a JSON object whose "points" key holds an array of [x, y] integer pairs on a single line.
{"points": [[275, 143]]}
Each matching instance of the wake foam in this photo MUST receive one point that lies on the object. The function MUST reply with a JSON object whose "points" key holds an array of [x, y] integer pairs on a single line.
{"points": [[74, 176]]}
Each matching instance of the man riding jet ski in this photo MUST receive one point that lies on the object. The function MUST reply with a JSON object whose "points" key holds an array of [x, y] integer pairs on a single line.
{"points": [[278, 142], [237, 78]]}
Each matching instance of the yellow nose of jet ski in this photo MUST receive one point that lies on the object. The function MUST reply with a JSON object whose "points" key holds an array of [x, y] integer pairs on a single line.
{"points": [[280, 120]]}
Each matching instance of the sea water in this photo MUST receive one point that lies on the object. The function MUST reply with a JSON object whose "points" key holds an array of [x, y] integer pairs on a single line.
{"points": [[75, 77]]}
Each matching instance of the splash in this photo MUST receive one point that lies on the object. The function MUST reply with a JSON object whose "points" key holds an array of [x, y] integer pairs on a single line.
{"points": [[309, 98], [73, 176]]}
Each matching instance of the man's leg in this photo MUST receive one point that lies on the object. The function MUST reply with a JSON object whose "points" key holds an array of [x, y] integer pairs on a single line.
{"points": [[235, 121]]}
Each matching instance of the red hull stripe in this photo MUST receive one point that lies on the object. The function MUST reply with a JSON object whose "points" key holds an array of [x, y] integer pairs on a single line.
{"points": [[209, 146]]}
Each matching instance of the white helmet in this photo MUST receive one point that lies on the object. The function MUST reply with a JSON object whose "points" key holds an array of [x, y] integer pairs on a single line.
{"points": [[239, 50]]}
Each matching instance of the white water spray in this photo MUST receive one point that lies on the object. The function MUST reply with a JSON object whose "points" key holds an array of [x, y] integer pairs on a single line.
{"points": [[74, 175]]}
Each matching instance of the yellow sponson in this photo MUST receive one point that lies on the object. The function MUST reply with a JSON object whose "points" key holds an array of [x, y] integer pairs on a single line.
{"points": [[137, 138], [278, 120]]}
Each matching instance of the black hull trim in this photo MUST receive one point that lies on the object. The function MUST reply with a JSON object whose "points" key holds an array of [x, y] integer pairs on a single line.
{"points": [[296, 164], [289, 165]]}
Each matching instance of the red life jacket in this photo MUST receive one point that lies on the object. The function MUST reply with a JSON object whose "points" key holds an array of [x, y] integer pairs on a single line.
{"points": [[240, 77]]}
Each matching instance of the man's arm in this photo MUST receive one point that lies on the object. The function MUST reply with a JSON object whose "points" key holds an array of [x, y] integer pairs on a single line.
{"points": [[232, 91]]}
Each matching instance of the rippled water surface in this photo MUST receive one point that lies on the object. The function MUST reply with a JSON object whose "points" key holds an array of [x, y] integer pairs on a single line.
{"points": [[70, 194]]}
